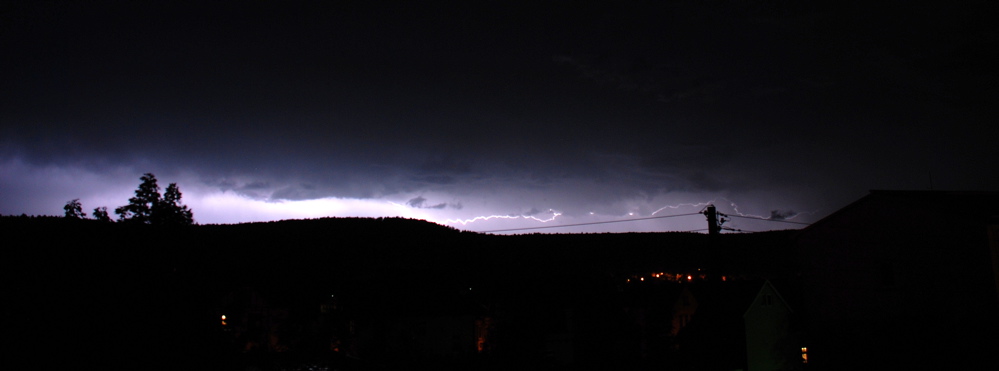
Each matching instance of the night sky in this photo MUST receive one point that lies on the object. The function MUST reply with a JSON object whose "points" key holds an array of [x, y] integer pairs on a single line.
{"points": [[535, 113]]}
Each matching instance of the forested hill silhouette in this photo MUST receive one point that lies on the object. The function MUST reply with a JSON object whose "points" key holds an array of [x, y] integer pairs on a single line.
{"points": [[356, 243], [134, 291]]}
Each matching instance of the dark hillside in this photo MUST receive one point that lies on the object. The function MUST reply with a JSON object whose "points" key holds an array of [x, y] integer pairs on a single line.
{"points": [[88, 290]]}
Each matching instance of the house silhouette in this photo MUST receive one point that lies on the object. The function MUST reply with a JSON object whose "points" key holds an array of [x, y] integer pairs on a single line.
{"points": [[903, 279]]}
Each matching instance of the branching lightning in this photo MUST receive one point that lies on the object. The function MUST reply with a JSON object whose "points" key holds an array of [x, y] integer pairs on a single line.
{"points": [[773, 215], [555, 214], [735, 208], [677, 206], [551, 215]]}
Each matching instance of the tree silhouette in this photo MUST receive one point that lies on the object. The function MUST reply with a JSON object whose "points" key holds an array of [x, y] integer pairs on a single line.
{"points": [[169, 211], [148, 207], [101, 214], [74, 209], [140, 208]]}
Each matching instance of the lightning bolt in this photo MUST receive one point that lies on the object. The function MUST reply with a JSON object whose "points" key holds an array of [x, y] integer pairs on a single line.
{"points": [[677, 206], [735, 208], [684, 205], [555, 214]]}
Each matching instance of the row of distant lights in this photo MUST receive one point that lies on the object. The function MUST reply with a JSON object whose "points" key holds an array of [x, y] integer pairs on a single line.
{"points": [[670, 277], [662, 276], [224, 323]]}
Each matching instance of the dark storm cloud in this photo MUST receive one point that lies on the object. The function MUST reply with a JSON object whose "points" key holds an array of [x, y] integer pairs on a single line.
{"points": [[298, 192], [782, 214], [497, 108], [435, 179], [532, 212], [445, 166], [420, 203], [416, 202], [257, 190]]}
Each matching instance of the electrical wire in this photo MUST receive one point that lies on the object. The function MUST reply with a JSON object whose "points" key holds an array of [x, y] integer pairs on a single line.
{"points": [[768, 220], [590, 223]]}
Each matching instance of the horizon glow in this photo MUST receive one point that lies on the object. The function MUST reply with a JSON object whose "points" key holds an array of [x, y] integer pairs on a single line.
{"points": [[55, 185]]}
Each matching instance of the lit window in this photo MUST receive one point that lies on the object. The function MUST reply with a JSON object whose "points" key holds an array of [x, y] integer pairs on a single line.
{"points": [[804, 355]]}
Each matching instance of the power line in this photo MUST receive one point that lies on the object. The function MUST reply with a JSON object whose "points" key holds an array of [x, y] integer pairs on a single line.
{"points": [[590, 223], [768, 220]]}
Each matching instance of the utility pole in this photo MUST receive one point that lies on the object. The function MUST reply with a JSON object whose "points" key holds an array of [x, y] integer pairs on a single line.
{"points": [[712, 254], [713, 227]]}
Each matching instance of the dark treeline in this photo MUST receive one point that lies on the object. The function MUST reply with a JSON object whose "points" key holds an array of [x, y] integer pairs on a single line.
{"points": [[147, 296], [148, 206]]}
